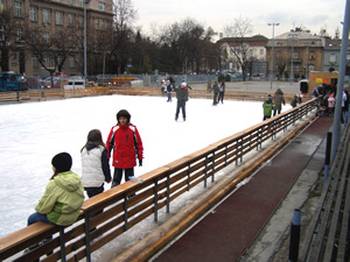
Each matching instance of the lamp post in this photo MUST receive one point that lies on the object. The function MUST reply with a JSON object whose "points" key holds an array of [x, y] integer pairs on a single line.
{"points": [[85, 3], [272, 50], [292, 37], [338, 110]]}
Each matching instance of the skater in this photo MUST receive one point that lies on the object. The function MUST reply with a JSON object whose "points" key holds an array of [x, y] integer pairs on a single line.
{"points": [[63, 197], [267, 107], [295, 101], [169, 89], [125, 141], [95, 166], [221, 92], [278, 100], [216, 93], [182, 98]]}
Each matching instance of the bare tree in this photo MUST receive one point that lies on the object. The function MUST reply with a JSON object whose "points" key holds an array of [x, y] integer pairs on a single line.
{"points": [[124, 17], [10, 27], [51, 49], [241, 50]]}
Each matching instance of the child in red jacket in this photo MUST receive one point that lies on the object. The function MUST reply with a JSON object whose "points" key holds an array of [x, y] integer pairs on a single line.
{"points": [[125, 141]]}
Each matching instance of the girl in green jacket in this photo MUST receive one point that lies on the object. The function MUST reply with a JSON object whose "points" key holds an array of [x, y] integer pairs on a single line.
{"points": [[63, 196]]}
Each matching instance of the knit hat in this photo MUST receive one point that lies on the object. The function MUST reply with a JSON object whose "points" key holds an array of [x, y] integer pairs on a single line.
{"points": [[123, 113], [62, 162]]}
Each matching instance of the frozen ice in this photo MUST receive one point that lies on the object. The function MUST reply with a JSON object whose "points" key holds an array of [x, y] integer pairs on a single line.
{"points": [[31, 133]]}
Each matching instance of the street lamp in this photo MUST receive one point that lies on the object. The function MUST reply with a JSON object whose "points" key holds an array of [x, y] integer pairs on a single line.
{"points": [[272, 50], [85, 3], [292, 37]]}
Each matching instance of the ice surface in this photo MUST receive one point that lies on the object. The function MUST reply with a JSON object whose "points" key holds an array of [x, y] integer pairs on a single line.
{"points": [[31, 133]]}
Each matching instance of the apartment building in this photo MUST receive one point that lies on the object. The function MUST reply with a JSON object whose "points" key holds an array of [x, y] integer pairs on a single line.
{"points": [[295, 54], [57, 15], [253, 48]]}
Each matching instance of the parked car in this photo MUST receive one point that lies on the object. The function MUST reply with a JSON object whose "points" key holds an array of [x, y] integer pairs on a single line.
{"points": [[11, 81]]}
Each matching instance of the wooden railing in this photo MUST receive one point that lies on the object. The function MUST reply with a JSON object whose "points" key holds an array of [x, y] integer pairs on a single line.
{"points": [[109, 214]]}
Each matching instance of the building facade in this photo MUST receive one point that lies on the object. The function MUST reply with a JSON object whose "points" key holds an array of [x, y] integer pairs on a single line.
{"points": [[294, 54], [251, 49], [331, 55], [54, 16]]}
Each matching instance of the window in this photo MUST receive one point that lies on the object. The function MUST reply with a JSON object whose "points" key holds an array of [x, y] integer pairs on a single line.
{"points": [[33, 14], [101, 5], [59, 18], [348, 57], [332, 58], [262, 51], [1, 5], [71, 62], [18, 5], [46, 37], [70, 19], [46, 16], [81, 21], [19, 35], [35, 62], [2, 33]]}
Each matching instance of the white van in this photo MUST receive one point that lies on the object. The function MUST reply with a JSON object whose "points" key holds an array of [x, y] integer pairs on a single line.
{"points": [[75, 83]]}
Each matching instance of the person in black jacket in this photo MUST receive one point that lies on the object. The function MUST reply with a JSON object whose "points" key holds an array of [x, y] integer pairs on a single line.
{"points": [[182, 98]]}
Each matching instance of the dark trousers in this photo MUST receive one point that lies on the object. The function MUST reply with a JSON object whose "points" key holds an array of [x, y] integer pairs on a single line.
{"points": [[221, 97], [169, 96], [93, 191], [118, 174], [277, 111], [266, 117], [180, 105], [36, 217], [215, 99]]}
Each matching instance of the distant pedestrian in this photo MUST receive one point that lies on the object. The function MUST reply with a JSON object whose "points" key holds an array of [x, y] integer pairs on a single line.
{"points": [[267, 107], [182, 98], [343, 106], [95, 164], [330, 104], [125, 141], [296, 100], [63, 197], [346, 107], [222, 88], [278, 100], [169, 89], [215, 93]]}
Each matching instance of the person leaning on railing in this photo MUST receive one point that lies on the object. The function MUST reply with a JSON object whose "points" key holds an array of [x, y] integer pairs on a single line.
{"points": [[63, 197]]}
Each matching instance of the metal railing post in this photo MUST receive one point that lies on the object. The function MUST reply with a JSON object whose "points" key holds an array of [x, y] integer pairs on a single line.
{"points": [[155, 201], [188, 178], [87, 236], [212, 176], [206, 172], [125, 216], [168, 194], [62, 245]]}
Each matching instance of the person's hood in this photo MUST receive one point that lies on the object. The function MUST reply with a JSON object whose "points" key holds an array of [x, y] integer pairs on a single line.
{"points": [[68, 181]]}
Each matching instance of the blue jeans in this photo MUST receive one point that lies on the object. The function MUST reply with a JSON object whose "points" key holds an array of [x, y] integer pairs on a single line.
{"points": [[36, 217]]}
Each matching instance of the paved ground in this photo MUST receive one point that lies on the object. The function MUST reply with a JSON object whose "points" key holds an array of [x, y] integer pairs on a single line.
{"points": [[226, 234]]}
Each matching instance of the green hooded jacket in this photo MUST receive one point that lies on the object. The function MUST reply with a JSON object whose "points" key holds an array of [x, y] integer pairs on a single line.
{"points": [[62, 199], [267, 106]]}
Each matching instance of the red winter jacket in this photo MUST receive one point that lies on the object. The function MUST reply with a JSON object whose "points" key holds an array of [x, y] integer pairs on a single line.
{"points": [[126, 144]]}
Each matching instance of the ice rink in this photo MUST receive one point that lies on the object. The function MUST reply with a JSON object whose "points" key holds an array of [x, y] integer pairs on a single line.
{"points": [[32, 133]]}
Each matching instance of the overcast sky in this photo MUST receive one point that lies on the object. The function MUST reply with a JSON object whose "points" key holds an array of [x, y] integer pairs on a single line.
{"points": [[312, 14]]}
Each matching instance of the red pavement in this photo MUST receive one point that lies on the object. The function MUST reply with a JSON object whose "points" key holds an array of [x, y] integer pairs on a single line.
{"points": [[227, 233]]}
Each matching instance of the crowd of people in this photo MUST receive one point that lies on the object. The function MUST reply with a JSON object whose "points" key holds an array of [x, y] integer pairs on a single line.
{"points": [[326, 96], [64, 194]]}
